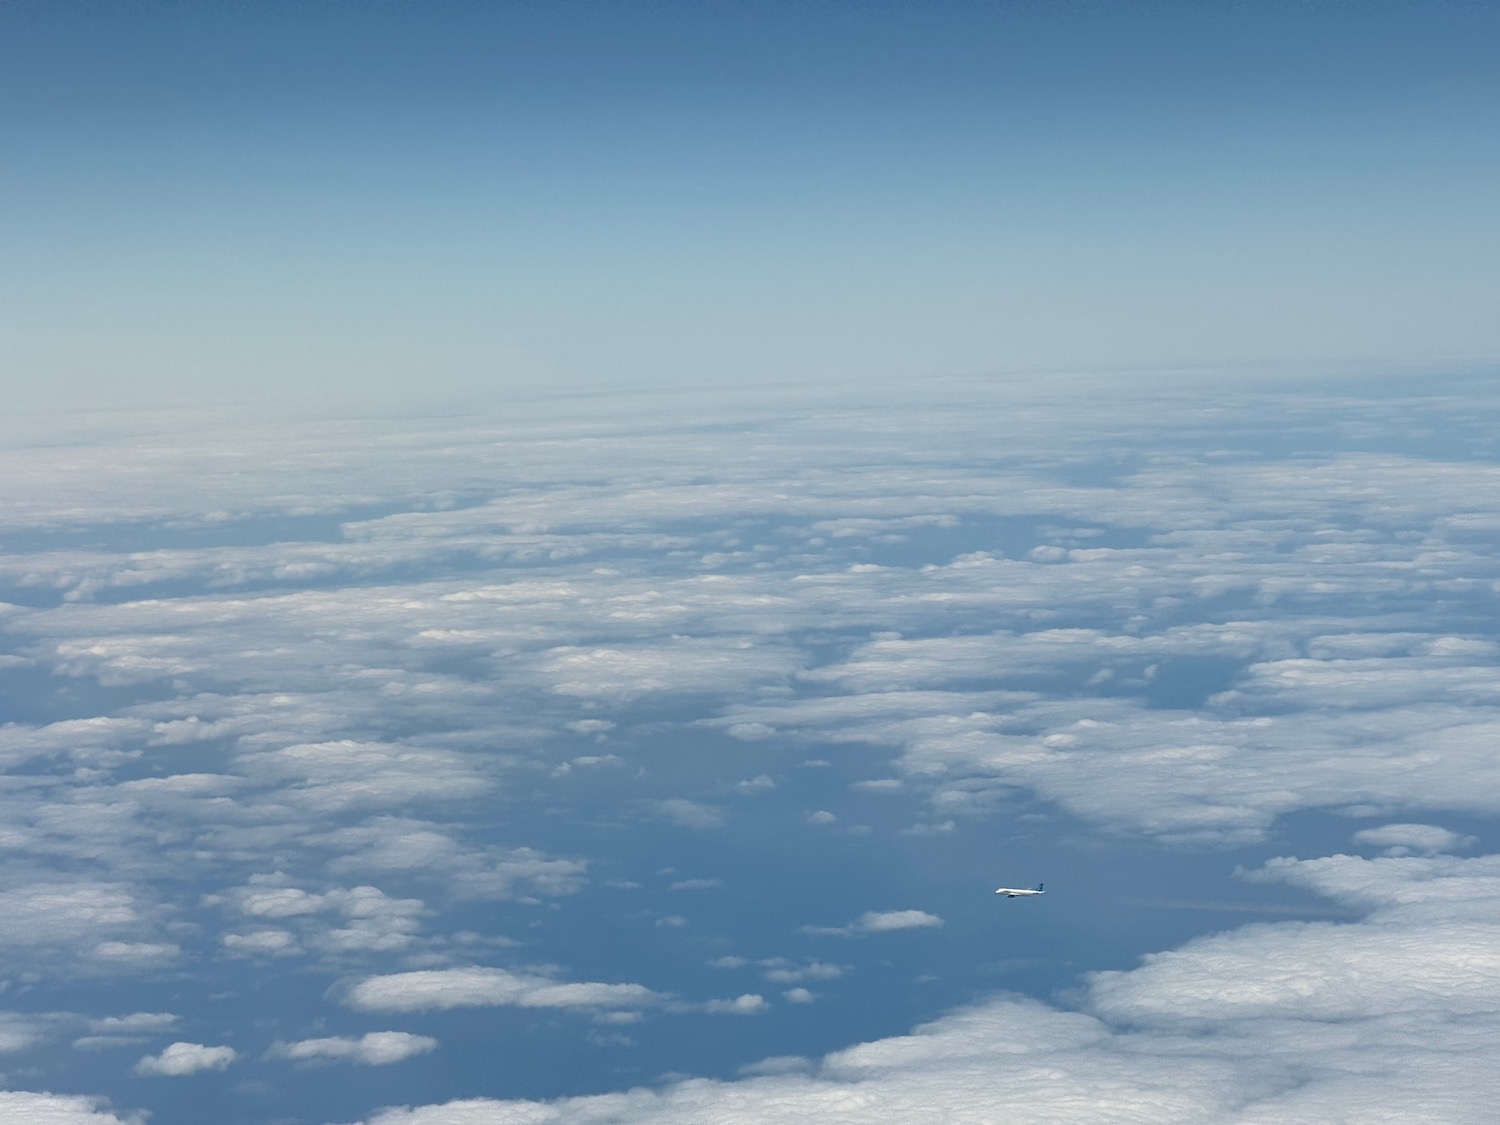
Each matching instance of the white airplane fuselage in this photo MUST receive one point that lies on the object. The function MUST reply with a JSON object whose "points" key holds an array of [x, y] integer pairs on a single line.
{"points": [[1021, 892]]}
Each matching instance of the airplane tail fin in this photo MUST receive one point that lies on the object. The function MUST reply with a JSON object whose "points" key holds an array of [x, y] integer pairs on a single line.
{"points": [[1039, 889]]}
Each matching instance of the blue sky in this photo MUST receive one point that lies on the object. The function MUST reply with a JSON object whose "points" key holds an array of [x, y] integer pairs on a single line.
{"points": [[225, 201]]}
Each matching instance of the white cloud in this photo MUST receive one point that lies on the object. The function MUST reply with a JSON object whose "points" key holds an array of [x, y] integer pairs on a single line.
{"points": [[141, 952], [713, 884], [687, 665], [429, 989], [69, 919], [24, 1108], [185, 1058], [367, 919], [18, 1032], [688, 814], [261, 943], [349, 774], [879, 922], [1407, 839], [375, 1048], [404, 845], [750, 732], [749, 1004], [590, 726], [124, 1031]]}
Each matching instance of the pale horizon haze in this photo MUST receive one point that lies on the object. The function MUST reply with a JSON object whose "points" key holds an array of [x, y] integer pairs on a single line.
{"points": [[236, 202]]}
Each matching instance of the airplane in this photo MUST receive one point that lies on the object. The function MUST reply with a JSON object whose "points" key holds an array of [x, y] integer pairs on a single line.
{"points": [[1017, 892]]}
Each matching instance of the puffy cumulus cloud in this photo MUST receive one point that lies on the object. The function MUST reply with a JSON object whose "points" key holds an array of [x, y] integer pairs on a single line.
{"points": [[181, 1059], [343, 920], [375, 1048], [76, 739], [1394, 1018], [1403, 885], [1430, 945], [428, 989], [67, 920], [407, 846], [24, 1108], [1406, 839], [1206, 774]]}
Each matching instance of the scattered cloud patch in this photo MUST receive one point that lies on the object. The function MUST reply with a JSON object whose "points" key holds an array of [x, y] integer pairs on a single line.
{"points": [[139, 952], [1412, 839], [590, 726], [749, 1004], [124, 1031], [686, 813], [713, 884], [25, 1108], [883, 921], [813, 970], [261, 943], [185, 1058], [879, 922], [435, 989], [375, 1048]]}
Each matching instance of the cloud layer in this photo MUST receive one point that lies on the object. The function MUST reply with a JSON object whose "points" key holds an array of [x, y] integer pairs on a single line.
{"points": [[395, 719]]}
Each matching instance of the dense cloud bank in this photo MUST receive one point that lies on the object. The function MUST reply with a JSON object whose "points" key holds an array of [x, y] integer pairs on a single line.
{"points": [[412, 721]]}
